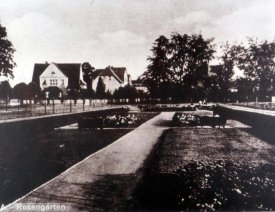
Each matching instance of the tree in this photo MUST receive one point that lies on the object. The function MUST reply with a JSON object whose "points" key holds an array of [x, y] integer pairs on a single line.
{"points": [[245, 89], [5, 90], [88, 74], [158, 71], [100, 88], [127, 92], [178, 65], [32, 91], [53, 92], [222, 80], [6, 54], [257, 63], [19, 91], [85, 93]]}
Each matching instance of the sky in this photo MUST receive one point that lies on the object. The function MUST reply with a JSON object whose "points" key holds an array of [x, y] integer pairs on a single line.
{"points": [[122, 32]]}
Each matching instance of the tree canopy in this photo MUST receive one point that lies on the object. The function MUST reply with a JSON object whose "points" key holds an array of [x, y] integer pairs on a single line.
{"points": [[257, 61], [177, 65], [88, 74], [6, 54], [100, 88], [5, 90]]}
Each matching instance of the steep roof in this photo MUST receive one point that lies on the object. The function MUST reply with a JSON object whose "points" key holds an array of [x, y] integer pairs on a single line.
{"points": [[120, 72], [71, 70], [116, 72]]}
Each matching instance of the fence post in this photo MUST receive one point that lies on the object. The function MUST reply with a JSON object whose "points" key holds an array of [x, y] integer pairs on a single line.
{"points": [[53, 105], [7, 103], [45, 103]]}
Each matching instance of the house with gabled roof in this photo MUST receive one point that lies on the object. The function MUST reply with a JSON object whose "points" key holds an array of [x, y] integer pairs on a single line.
{"points": [[61, 75], [113, 78]]}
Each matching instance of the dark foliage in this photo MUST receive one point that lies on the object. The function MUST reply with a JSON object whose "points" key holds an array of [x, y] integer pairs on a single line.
{"points": [[5, 90], [218, 185], [53, 92], [100, 89], [178, 67], [6, 54], [88, 74]]}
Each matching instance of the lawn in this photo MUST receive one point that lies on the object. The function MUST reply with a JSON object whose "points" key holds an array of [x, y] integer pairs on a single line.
{"points": [[209, 169]]}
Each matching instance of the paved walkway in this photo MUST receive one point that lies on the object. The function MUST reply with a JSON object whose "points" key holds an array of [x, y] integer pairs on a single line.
{"points": [[106, 179], [251, 110]]}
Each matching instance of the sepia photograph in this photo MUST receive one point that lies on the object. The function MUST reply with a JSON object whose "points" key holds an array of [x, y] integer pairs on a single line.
{"points": [[137, 105]]}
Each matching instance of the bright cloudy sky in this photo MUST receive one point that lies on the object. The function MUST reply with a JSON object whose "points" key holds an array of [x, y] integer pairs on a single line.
{"points": [[121, 32]]}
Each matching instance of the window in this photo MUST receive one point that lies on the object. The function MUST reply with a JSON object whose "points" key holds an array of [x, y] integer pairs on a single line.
{"points": [[53, 82]]}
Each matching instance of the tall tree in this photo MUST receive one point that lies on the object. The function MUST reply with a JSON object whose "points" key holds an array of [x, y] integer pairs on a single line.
{"points": [[178, 65], [100, 88], [222, 80], [257, 63], [6, 54], [88, 74], [189, 54], [158, 71]]}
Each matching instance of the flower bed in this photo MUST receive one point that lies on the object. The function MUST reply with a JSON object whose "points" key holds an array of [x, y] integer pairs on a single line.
{"points": [[116, 120], [121, 120], [226, 185], [185, 119], [210, 186]]}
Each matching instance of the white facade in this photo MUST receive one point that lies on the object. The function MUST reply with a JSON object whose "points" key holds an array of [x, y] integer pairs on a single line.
{"points": [[52, 76], [111, 82]]}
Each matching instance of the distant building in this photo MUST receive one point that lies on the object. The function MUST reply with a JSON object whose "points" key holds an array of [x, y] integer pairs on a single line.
{"points": [[61, 75], [113, 78], [139, 85]]}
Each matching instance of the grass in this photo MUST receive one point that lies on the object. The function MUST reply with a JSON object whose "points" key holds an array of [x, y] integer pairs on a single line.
{"points": [[209, 169]]}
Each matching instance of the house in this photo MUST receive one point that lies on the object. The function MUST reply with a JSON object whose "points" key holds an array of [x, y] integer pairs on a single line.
{"points": [[61, 75], [113, 78], [139, 85]]}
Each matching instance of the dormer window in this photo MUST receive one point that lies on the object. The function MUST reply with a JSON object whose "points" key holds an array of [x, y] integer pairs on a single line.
{"points": [[53, 73]]}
